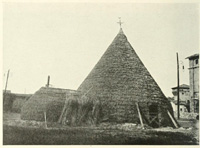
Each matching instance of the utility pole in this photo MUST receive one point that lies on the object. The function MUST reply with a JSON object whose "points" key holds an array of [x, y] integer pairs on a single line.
{"points": [[178, 98], [45, 111], [4, 94], [7, 80]]}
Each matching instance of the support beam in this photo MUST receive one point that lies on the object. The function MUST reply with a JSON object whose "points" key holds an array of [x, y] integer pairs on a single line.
{"points": [[45, 119], [63, 110], [87, 92], [141, 121], [172, 119]]}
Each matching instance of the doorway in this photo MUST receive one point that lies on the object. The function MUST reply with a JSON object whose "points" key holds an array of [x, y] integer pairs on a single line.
{"points": [[153, 115]]}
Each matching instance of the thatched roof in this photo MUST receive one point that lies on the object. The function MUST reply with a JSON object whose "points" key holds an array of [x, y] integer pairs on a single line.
{"points": [[46, 99], [120, 79]]}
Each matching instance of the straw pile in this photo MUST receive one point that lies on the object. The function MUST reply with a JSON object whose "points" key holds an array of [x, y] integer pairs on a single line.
{"points": [[81, 110], [19, 101], [49, 100]]}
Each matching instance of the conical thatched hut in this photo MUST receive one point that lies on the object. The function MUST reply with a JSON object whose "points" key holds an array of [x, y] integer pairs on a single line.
{"points": [[46, 99], [121, 82]]}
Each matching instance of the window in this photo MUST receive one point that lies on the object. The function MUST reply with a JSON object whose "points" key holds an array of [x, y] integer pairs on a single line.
{"points": [[196, 61], [181, 109], [188, 105], [196, 106]]}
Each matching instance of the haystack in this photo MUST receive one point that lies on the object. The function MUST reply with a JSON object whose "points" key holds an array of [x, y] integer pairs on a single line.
{"points": [[46, 99], [19, 101], [121, 81]]}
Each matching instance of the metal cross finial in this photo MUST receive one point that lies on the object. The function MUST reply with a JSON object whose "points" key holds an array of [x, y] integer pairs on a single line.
{"points": [[120, 23]]}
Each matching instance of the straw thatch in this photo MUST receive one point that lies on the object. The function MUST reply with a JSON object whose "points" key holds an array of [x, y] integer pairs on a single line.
{"points": [[19, 101], [80, 110], [120, 80], [49, 100]]}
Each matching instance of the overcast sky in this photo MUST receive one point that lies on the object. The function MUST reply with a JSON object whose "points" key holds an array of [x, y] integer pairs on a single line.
{"points": [[66, 40]]}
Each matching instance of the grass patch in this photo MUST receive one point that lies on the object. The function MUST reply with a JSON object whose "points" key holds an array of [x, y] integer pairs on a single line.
{"points": [[13, 135]]}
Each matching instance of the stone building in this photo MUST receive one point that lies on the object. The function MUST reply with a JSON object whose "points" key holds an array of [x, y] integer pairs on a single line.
{"points": [[184, 94], [13, 102], [194, 82]]}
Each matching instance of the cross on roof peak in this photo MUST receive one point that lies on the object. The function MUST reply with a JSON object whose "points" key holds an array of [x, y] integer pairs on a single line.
{"points": [[120, 22]]}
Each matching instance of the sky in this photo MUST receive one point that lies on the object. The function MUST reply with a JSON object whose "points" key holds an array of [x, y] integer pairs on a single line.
{"points": [[66, 40]]}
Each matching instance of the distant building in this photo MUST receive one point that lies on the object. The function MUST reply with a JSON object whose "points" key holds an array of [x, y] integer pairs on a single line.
{"points": [[194, 82], [12, 102], [184, 94]]}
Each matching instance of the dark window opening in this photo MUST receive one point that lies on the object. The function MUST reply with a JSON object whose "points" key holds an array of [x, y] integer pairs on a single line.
{"points": [[197, 61], [196, 106], [188, 105]]}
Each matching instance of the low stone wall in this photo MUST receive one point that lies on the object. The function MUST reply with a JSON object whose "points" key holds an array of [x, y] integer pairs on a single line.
{"points": [[186, 115]]}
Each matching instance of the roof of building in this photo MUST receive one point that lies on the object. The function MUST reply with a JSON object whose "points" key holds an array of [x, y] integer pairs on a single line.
{"points": [[180, 102], [22, 95], [183, 86], [194, 56]]}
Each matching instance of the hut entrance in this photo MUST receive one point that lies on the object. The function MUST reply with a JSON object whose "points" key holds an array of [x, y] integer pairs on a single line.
{"points": [[153, 115]]}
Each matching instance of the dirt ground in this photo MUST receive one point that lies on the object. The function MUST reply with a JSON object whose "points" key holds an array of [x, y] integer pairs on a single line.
{"points": [[19, 132]]}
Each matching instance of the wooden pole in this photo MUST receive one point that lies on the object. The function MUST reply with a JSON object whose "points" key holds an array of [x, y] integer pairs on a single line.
{"points": [[141, 121], [48, 81], [4, 94], [178, 98], [45, 113], [173, 121], [7, 80], [63, 110], [45, 119], [87, 92]]}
